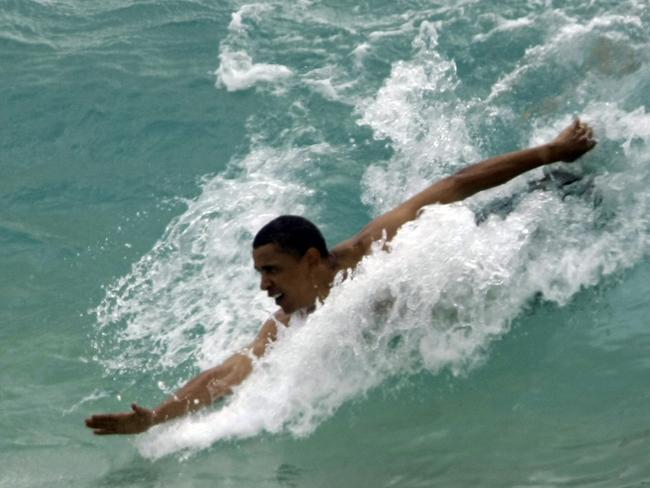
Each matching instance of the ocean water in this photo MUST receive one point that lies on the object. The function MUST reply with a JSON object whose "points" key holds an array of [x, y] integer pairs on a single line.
{"points": [[503, 341]]}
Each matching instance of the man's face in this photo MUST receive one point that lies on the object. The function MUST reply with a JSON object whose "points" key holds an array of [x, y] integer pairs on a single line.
{"points": [[285, 277]]}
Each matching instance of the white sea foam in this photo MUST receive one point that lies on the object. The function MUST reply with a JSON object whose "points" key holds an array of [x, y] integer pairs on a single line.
{"points": [[360, 52], [380, 34], [504, 25], [568, 46], [417, 112], [95, 395], [325, 81], [237, 71], [249, 11]]}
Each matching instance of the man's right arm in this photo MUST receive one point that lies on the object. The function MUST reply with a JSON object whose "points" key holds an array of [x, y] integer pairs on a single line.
{"points": [[199, 392]]}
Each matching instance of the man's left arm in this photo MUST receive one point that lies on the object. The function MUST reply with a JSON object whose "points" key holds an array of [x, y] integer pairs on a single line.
{"points": [[568, 146]]}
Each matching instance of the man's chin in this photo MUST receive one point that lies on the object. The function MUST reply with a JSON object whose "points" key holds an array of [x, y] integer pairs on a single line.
{"points": [[288, 309]]}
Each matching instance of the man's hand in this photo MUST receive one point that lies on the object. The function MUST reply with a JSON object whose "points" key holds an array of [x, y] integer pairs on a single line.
{"points": [[199, 392], [573, 142], [139, 420]]}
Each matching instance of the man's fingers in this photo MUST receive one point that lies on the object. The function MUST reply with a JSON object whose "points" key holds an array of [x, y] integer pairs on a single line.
{"points": [[103, 432], [139, 410], [585, 132], [101, 421], [588, 136]]}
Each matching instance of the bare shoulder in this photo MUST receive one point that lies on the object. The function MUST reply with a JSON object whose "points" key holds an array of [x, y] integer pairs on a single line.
{"points": [[348, 253], [382, 228], [269, 329], [280, 316], [269, 332]]}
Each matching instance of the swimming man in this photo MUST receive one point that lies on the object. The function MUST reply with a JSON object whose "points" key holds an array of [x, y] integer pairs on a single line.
{"points": [[297, 270]]}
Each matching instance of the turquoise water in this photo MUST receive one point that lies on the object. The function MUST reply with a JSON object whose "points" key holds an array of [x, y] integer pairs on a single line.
{"points": [[143, 143]]}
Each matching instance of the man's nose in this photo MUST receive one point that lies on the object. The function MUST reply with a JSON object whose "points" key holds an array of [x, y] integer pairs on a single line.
{"points": [[265, 283]]}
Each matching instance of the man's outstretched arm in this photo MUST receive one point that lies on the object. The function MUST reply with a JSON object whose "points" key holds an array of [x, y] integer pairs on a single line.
{"points": [[568, 146], [199, 392]]}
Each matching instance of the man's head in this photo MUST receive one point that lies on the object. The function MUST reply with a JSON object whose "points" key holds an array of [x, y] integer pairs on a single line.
{"points": [[290, 254]]}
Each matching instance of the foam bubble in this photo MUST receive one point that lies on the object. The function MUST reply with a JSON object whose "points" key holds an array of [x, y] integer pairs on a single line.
{"points": [[504, 25], [360, 52], [237, 71], [249, 11]]}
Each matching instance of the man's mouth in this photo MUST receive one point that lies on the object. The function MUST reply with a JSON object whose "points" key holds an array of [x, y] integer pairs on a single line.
{"points": [[277, 297]]}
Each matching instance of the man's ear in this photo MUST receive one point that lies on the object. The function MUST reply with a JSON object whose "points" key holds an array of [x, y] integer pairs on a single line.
{"points": [[313, 257]]}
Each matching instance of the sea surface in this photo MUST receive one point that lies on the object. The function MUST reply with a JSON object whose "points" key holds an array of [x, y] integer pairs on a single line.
{"points": [[502, 342]]}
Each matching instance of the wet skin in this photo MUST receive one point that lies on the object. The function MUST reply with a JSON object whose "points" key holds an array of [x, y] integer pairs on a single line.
{"points": [[289, 280]]}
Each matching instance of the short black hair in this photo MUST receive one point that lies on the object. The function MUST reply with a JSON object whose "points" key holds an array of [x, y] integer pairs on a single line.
{"points": [[293, 234]]}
